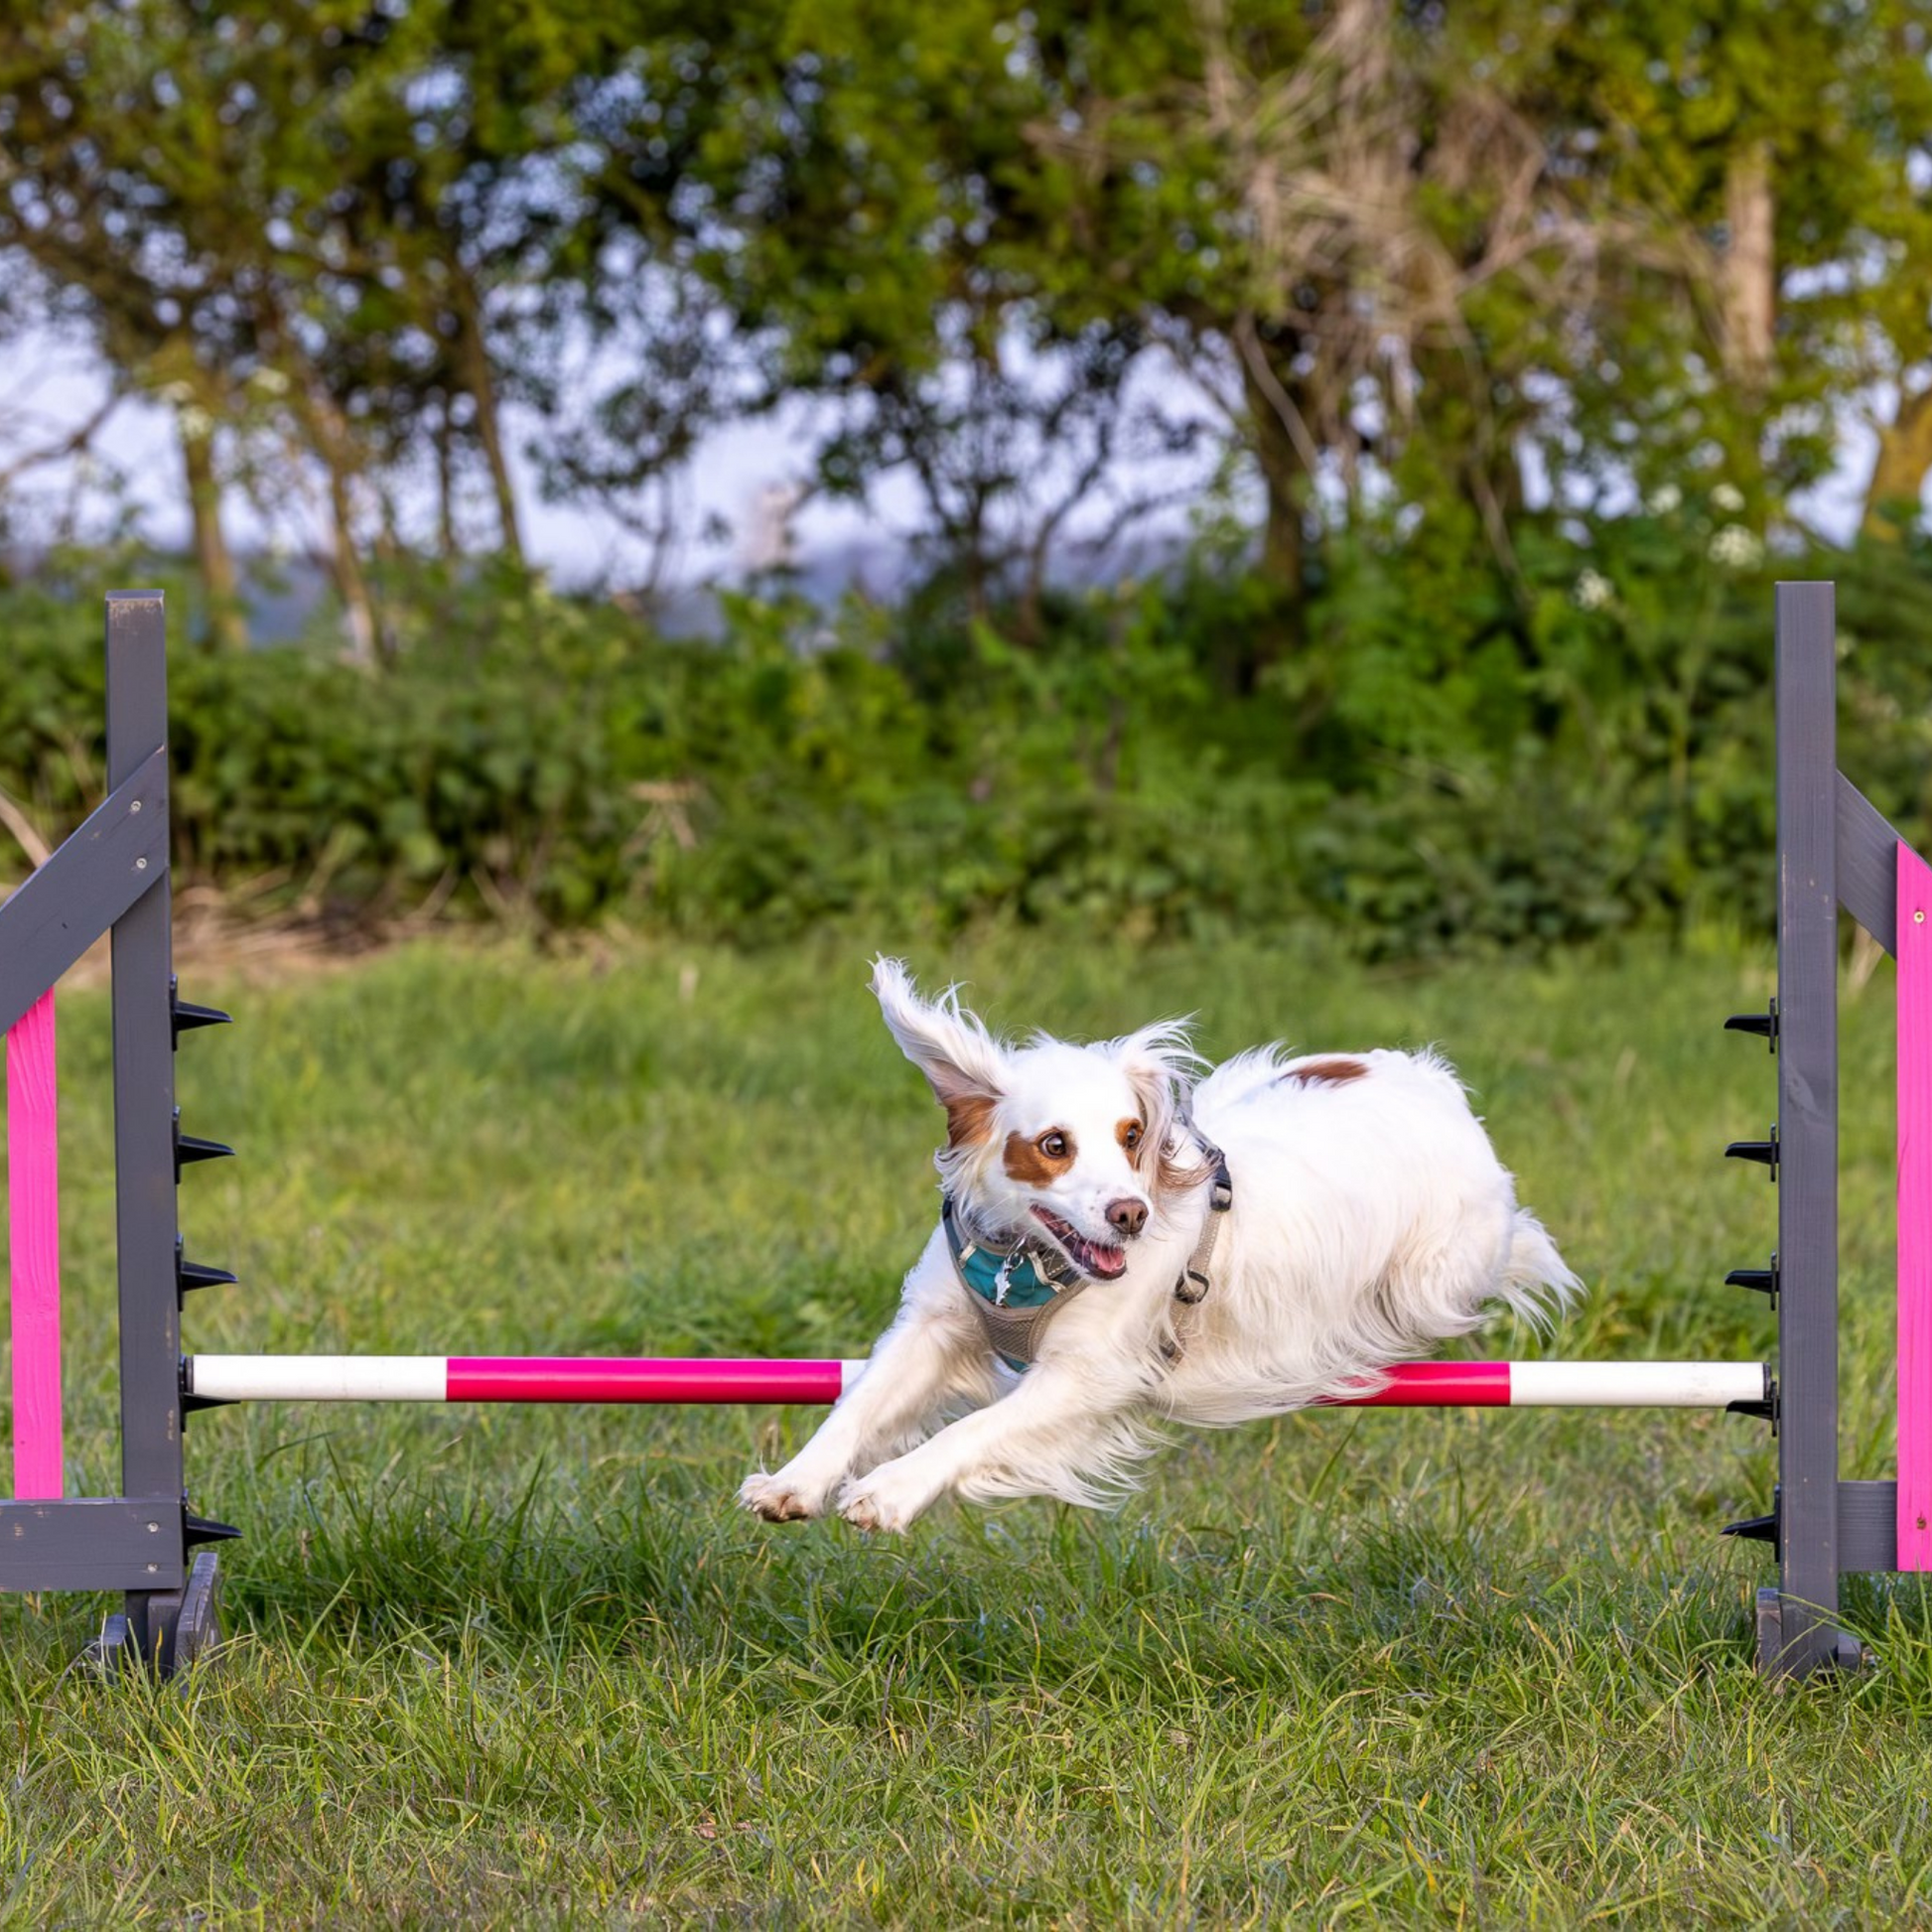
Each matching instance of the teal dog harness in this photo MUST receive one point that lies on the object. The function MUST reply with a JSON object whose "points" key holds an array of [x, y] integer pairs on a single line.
{"points": [[1015, 1293], [1012, 1294]]}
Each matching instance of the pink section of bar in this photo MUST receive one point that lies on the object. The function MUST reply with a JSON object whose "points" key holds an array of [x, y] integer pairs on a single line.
{"points": [[34, 1238], [1437, 1385], [1914, 1211], [560, 1378]]}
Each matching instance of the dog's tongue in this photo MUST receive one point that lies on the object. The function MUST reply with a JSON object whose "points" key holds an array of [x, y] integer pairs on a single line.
{"points": [[1108, 1264], [1103, 1264]]}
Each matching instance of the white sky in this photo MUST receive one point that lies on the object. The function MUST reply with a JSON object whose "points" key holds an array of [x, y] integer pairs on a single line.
{"points": [[47, 387]]}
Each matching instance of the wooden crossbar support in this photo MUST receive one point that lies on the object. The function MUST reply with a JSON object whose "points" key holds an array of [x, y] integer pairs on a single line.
{"points": [[117, 856], [1807, 1172]]}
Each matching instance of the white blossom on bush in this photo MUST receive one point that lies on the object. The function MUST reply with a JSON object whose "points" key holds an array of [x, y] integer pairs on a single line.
{"points": [[1594, 591], [1664, 498], [1737, 549], [1727, 499]]}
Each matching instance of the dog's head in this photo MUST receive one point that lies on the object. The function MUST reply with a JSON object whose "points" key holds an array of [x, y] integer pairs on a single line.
{"points": [[1069, 1142]]}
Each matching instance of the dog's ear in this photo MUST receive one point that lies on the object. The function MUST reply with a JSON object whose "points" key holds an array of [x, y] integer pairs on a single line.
{"points": [[1159, 1063], [960, 1060]]}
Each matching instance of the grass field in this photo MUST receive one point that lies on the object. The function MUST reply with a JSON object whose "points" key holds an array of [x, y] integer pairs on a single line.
{"points": [[531, 1667]]}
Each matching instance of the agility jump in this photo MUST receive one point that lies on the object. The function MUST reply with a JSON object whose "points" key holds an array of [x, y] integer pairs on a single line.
{"points": [[113, 875]]}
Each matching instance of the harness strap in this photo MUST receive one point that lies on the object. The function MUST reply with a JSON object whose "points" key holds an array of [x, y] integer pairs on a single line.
{"points": [[1194, 1281]]}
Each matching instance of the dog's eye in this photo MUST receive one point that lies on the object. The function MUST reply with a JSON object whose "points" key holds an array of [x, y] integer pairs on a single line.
{"points": [[1132, 1137], [1053, 1146]]}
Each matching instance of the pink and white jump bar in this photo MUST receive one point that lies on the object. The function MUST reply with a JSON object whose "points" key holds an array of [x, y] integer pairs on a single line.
{"points": [[548, 1378]]}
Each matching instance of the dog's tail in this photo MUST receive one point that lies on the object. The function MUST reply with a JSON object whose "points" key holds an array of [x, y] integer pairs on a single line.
{"points": [[1537, 1283]]}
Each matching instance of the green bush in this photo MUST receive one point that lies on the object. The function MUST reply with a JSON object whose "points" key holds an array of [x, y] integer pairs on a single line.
{"points": [[1462, 753]]}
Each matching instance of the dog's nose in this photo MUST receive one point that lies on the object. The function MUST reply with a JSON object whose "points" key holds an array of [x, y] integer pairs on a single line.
{"points": [[1128, 1216]]}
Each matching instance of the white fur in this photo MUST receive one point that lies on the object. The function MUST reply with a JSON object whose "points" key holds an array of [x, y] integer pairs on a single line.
{"points": [[1371, 1222]]}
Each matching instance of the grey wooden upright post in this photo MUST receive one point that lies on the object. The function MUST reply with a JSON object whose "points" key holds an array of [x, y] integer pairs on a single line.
{"points": [[1807, 1042], [144, 1099]]}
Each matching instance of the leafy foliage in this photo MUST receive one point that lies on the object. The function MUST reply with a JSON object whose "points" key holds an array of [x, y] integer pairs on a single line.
{"points": [[1465, 768]]}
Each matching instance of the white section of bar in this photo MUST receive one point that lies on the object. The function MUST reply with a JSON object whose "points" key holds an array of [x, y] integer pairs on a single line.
{"points": [[322, 1378], [1634, 1385], [850, 1372]]}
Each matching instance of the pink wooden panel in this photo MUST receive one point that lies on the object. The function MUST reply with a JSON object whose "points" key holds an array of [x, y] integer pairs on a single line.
{"points": [[1914, 1211], [34, 1236]]}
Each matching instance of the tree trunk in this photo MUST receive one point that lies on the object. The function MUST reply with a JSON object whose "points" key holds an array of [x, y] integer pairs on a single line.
{"points": [[472, 363], [1286, 483], [358, 607], [1904, 460], [227, 627], [445, 483], [1284, 539], [1750, 273], [1747, 293]]}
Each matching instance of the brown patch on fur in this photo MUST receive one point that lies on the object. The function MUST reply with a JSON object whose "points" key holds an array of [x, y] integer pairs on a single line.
{"points": [[1164, 1173], [1025, 1161], [969, 1116], [1332, 1073], [1171, 1178]]}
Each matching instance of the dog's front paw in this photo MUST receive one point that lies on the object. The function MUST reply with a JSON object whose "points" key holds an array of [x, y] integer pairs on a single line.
{"points": [[881, 1501], [781, 1498]]}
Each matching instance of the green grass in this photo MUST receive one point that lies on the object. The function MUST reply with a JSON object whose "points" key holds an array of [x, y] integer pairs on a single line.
{"points": [[532, 1667]]}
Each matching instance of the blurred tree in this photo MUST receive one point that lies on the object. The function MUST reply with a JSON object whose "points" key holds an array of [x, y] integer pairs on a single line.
{"points": [[1011, 446], [1755, 173], [853, 190], [625, 351], [290, 224], [1417, 246], [165, 163], [1342, 222], [81, 96], [1332, 221], [1421, 256]]}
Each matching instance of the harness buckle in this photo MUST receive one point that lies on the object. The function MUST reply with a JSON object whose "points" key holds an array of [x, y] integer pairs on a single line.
{"points": [[1191, 1288]]}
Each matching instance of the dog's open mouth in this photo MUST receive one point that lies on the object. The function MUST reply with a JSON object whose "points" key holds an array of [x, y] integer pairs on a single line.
{"points": [[1090, 1257]]}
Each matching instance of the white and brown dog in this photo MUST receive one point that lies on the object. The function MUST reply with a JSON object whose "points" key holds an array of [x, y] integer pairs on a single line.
{"points": [[1121, 1245]]}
